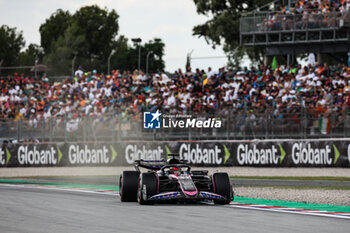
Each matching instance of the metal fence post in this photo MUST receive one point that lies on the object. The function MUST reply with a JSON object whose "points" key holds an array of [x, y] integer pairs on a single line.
{"points": [[19, 126], [43, 126], [50, 129], [266, 125], [119, 128], [305, 122], [294, 24], [345, 120], [84, 119], [271, 119], [65, 128], [113, 128], [228, 122], [333, 119]]}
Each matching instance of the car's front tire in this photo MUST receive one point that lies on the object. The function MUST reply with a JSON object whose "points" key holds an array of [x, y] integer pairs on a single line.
{"points": [[128, 183], [223, 187]]}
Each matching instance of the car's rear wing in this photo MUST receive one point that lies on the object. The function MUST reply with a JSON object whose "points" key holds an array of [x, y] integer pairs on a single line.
{"points": [[149, 164]]}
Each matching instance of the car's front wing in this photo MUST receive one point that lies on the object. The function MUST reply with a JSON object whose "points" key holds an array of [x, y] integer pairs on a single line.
{"points": [[179, 195]]}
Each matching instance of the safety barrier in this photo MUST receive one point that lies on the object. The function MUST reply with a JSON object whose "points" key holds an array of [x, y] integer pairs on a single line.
{"points": [[262, 153]]}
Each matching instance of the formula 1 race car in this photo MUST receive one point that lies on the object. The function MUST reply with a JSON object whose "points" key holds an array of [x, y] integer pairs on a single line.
{"points": [[173, 181]]}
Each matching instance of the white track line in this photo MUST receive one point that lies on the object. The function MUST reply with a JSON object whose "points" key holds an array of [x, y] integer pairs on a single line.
{"points": [[285, 210]]}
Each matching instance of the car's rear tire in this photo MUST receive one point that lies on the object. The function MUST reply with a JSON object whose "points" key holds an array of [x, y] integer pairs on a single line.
{"points": [[148, 187], [128, 184], [223, 187]]}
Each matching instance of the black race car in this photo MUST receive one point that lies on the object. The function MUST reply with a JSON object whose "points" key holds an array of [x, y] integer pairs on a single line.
{"points": [[173, 180]]}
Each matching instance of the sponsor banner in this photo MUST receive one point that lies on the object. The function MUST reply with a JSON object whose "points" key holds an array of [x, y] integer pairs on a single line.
{"points": [[30, 155], [286, 154], [59, 154], [335, 153], [255, 153]]}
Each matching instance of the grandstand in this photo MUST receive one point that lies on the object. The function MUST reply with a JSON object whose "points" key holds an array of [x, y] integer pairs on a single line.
{"points": [[260, 102], [301, 27]]}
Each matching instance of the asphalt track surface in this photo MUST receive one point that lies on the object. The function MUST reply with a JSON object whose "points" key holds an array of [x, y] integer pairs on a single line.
{"points": [[24, 209], [113, 180]]}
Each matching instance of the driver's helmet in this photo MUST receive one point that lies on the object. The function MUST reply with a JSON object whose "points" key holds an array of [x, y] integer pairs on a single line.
{"points": [[174, 170]]}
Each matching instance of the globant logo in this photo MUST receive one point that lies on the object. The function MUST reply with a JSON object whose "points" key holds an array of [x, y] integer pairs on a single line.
{"points": [[133, 152], [306, 154], [152, 120], [254, 156], [198, 155], [78, 155], [36, 156]]}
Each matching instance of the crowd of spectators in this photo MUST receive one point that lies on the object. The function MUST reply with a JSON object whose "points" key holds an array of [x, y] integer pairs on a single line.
{"points": [[253, 93], [307, 14]]}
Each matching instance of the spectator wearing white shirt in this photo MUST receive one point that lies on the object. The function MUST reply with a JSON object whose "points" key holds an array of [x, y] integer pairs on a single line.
{"points": [[79, 72]]}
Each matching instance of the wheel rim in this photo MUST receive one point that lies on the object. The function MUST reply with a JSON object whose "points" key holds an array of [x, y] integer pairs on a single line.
{"points": [[139, 191]]}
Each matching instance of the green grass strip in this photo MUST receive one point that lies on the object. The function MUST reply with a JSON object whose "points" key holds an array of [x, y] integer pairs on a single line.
{"points": [[291, 204], [295, 187]]}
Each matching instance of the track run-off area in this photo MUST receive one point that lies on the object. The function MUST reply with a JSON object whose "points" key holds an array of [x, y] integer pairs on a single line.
{"points": [[59, 207]]}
